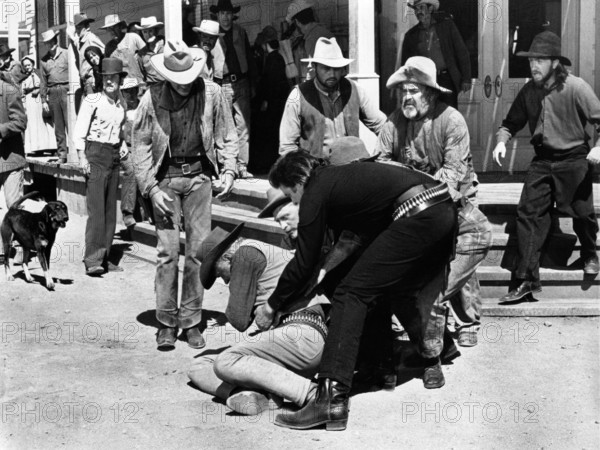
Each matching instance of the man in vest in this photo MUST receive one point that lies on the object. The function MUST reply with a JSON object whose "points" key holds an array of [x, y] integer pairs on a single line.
{"points": [[234, 71], [326, 107], [207, 35]]}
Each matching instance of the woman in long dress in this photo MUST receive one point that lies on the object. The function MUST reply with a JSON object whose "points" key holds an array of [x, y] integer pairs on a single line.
{"points": [[39, 134]]}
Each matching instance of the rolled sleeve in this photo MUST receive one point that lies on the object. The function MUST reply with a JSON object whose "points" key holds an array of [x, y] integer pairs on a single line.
{"points": [[370, 115], [385, 141]]}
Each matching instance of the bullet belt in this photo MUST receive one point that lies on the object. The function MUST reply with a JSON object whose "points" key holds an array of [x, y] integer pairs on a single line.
{"points": [[419, 198], [312, 320]]}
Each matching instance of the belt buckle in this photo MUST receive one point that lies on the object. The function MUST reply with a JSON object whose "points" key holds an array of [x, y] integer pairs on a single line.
{"points": [[233, 78], [186, 169]]}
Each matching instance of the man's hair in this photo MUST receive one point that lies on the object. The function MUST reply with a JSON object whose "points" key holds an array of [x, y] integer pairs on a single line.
{"points": [[305, 16], [293, 168], [274, 44], [560, 74]]}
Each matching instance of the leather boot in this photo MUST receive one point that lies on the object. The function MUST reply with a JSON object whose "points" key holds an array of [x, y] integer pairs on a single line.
{"points": [[330, 406]]}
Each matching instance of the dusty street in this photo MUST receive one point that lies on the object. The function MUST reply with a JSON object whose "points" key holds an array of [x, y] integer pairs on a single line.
{"points": [[79, 369]]}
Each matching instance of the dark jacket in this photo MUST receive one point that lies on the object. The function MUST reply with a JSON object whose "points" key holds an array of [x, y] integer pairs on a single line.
{"points": [[13, 122], [453, 48]]}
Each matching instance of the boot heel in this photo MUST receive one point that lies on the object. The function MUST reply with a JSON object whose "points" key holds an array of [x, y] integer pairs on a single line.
{"points": [[336, 425]]}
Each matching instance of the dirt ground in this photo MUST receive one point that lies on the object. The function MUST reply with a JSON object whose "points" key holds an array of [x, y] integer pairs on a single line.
{"points": [[79, 369]]}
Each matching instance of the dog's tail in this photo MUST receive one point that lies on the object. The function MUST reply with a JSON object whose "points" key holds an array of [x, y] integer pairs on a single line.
{"points": [[16, 204]]}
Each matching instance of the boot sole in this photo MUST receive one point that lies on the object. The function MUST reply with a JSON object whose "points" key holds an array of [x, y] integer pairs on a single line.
{"points": [[330, 425], [514, 299]]}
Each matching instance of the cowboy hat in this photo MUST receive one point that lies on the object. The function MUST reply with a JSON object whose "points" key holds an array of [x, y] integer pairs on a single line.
{"points": [[209, 27], [434, 3], [276, 199], [48, 35], [112, 20], [346, 149], [295, 7], [148, 22], [328, 53], [129, 83], [112, 66], [417, 69], [545, 45], [178, 63], [4, 50], [212, 249], [79, 19], [224, 5]]}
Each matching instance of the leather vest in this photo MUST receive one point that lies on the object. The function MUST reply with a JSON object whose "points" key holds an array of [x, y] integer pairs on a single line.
{"points": [[239, 44]]}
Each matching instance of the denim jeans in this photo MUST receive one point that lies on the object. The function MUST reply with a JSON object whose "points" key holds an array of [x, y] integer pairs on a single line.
{"points": [[191, 195], [12, 183], [238, 96], [280, 361], [462, 292]]}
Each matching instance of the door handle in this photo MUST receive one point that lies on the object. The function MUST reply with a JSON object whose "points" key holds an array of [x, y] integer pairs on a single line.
{"points": [[498, 86], [487, 86]]}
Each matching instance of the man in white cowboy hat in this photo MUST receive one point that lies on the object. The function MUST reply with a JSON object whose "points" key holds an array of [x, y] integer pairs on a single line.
{"points": [[55, 89], [207, 37], [557, 106], [181, 127], [431, 136], [123, 45], [155, 44], [235, 72], [301, 14], [81, 35], [437, 38], [327, 107]]}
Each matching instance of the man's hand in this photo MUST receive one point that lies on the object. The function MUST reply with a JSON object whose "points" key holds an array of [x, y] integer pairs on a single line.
{"points": [[123, 151], [227, 183], [159, 202], [499, 152], [465, 86], [264, 316], [594, 155], [85, 166], [46, 108]]}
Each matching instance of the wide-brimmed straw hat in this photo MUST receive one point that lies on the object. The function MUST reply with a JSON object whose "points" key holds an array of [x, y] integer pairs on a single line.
{"points": [[328, 53], [295, 7], [224, 5], [79, 19], [112, 20], [148, 22], [48, 35], [112, 66], [434, 3], [209, 27], [212, 249], [417, 69], [276, 199], [178, 63], [346, 149], [546, 45]]}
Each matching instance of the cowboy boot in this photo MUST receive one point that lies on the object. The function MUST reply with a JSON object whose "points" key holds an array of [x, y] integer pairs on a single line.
{"points": [[330, 407]]}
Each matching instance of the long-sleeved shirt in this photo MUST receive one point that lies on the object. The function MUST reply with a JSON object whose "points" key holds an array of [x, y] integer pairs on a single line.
{"points": [[437, 144], [125, 50], [291, 128], [149, 73], [357, 197], [556, 117], [100, 119], [55, 70]]}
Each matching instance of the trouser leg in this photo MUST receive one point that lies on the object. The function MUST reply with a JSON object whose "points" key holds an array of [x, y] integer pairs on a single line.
{"points": [[57, 102], [202, 374], [12, 182], [128, 191], [112, 187]]}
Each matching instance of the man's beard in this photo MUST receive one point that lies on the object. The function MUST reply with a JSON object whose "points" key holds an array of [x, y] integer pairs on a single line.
{"points": [[543, 81]]}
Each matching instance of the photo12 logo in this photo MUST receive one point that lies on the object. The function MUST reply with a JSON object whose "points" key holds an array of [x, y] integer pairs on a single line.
{"points": [[68, 412]]}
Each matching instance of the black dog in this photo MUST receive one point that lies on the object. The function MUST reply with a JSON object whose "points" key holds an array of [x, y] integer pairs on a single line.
{"points": [[34, 231]]}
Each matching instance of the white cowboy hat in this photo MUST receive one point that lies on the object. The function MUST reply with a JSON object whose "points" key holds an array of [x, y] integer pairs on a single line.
{"points": [[148, 22], [295, 7], [328, 53], [434, 3], [417, 69], [112, 20], [178, 63], [48, 35], [208, 27]]}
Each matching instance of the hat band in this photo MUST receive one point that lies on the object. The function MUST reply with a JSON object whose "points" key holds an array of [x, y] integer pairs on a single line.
{"points": [[179, 65]]}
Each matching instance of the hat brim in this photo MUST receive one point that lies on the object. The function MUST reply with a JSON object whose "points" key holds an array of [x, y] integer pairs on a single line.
{"points": [[50, 38], [290, 17], [563, 60], [7, 52], [208, 273], [88, 20], [123, 73], [105, 27], [185, 77], [199, 30], [336, 63], [149, 27], [215, 9], [268, 211], [398, 78]]}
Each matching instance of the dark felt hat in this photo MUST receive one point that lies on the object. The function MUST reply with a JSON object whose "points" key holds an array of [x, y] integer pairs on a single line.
{"points": [[112, 66], [212, 249], [224, 5], [276, 198], [546, 45], [79, 19], [4, 50]]}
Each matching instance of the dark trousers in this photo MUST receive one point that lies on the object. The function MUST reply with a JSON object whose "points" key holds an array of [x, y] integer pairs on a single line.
{"points": [[58, 104], [398, 265], [101, 195], [569, 184], [128, 191], [445, 80]]}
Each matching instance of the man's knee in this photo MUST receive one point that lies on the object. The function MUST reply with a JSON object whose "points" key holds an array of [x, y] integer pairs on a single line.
{"points": [[199, 368], [224, 365]]}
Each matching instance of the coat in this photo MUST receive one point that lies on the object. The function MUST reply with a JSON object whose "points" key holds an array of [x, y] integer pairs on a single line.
{"points": [[13, 122]]}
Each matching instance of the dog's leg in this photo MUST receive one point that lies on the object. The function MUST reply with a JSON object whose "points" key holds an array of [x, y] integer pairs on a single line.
{"points": [[7, 237], [25, 265], [45, 267]]}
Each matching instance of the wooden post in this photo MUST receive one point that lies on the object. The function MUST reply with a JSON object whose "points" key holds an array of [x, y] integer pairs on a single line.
{"points": [[173, 19], [72, 8]]}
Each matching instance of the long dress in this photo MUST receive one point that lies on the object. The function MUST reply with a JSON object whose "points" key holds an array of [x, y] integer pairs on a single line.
{"points": [[39, 134]]}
